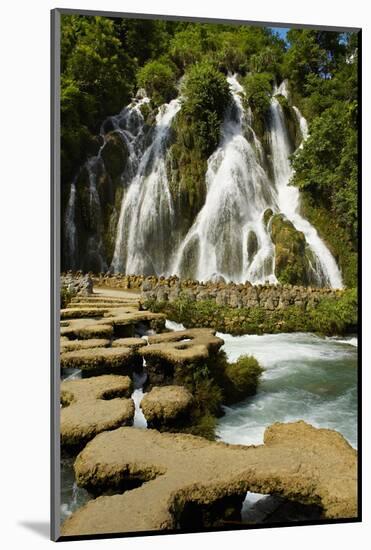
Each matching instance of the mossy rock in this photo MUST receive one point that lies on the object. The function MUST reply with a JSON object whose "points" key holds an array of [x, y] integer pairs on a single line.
{"points": [[252, 245], [267, 216], [291, 263], [115, 154], [335, 236]]}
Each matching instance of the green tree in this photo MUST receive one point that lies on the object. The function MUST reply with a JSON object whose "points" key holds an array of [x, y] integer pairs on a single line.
{"points": [[206, 96], [326, 166], [258, 89], [159, 80]]}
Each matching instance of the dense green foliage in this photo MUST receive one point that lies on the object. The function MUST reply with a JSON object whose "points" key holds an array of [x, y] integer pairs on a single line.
{"points": [[331, 316], [206, 96], [322, 69], [258, 89], [326, 167], [159, 80]]}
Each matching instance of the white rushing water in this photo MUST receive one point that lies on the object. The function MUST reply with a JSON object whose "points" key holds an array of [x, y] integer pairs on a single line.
{"points": [[147, 214], [229, 236], [238, 193], [70, 225], [288, 199], [137, 396], [306, 377]]}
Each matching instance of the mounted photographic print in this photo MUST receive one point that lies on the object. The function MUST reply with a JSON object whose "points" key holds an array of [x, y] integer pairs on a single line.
{"points": [[205, 200]]}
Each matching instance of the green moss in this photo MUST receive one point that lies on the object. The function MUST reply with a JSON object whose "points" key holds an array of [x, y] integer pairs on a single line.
{"points": [[291, 262], [115, 155], [335, 236], [241, 379], [186, 168], [331, 316]]}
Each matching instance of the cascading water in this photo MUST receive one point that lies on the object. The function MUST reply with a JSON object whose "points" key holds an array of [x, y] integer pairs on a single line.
{"points": [[238, 193], [143, 242], [288, 198], [129, 126], [70, 225], [229, 236]]}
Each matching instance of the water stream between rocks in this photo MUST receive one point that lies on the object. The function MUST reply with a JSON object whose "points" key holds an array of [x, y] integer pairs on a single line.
{"points": [[306, 377]]}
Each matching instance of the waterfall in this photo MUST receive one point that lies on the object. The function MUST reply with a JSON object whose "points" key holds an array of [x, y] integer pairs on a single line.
{"points": [[326, 270], [238, 193], [129, 125], [143, 242], [70, 227], [229, 237]]}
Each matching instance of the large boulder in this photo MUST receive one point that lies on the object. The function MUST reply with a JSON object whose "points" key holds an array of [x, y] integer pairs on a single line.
{"points": [[114, 154], [167, 406], [291, 262]]}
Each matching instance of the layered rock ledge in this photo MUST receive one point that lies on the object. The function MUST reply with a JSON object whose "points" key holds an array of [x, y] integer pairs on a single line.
{"points": [[297, 461], [93, 405], [99, 360]]}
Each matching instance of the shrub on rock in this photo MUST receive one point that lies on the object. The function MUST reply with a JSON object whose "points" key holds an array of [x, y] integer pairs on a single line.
{"points": [[241, 378]]}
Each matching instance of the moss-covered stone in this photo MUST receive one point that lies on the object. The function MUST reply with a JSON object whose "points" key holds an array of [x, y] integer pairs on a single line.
{"points": [[241, 379], [252, 245], [186, 168], [291, 263], [268, 213], [115, 154], [335, 237]]}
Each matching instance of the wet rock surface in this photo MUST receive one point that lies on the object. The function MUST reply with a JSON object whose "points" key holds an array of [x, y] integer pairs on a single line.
{"points": [[298, 462]]}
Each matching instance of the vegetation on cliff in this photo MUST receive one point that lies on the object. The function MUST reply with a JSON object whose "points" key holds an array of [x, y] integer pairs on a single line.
{"points": [[322, 68]]}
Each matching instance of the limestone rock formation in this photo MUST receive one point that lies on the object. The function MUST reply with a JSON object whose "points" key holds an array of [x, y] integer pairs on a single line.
{"points": [[166, 406], [297, 461], [94, 405], [168, 354], [183, 345], [72, 345], [100, 360]]}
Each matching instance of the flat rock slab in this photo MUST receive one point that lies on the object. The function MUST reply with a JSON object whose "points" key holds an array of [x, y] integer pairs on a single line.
{"points": [[94, 405], [183, 345], [164, 406], [86, 328], [100, 359], [72, 345], [110, 322], [297, 461], [133, 343], [81, 312]]}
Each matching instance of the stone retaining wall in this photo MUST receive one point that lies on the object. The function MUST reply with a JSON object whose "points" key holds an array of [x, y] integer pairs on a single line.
{"points": [[268, 297]]}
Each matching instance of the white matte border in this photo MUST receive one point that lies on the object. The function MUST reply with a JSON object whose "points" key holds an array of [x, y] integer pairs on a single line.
{"points": [[24, 218]]}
